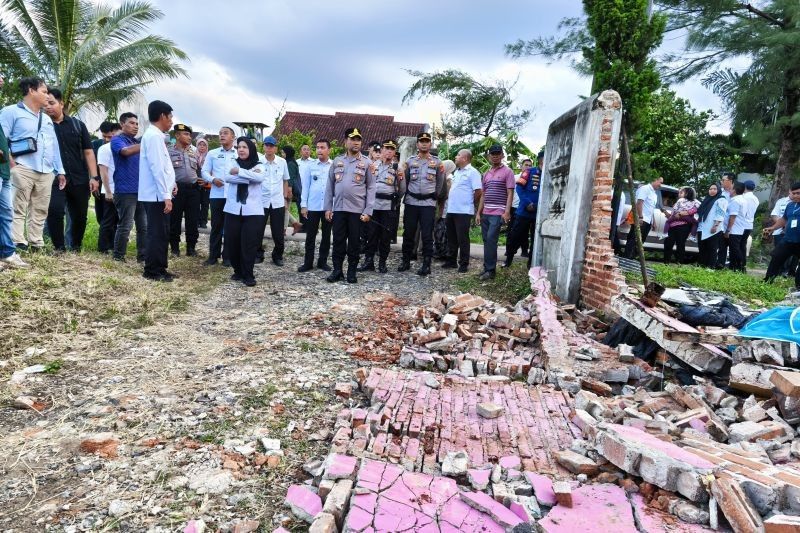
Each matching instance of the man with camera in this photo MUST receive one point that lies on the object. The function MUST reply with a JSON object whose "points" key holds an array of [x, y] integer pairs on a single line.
{"points": [[35, 158]]}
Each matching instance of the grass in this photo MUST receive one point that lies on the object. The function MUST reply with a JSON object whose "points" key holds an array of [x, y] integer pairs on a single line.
{"points": [[743, 287], [66, 301], [508, 287]]}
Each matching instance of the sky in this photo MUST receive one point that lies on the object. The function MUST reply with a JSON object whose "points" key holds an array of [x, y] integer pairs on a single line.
{"points": [[250, 59]]}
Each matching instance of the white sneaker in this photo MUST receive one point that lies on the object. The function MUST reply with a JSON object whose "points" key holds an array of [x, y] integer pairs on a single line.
{"points": [[15, 260]]}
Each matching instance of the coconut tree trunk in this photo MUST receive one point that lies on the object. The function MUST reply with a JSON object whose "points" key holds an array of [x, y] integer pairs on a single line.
{"points": [[787, 168]]}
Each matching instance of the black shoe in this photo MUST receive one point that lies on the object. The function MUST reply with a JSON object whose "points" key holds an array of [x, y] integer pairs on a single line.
{"points": [[382, 266], [351, 276], [425, 269], [413, 257], [507, 264], [259, 260], [487, 275], [367, 265], [450, 264], [191, 252], [463, 268], [226, 263], [304, 268], [236, 277], [203, 225], [210, 262], [140, 259], [250, 282], [176, 252], [278, 262], [336, 275], [158, 277], [120, 259], [324, 266], [170, 274], [404, 265]]}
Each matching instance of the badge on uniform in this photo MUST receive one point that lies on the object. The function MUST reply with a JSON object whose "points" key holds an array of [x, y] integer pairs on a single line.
{"points": [[389, 180], [431, 164], [357, 178]]}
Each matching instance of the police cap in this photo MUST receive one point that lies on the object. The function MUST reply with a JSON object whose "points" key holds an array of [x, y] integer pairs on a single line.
{"points": [[389, 143], [424, 136], [353, 133], [182, 127]]}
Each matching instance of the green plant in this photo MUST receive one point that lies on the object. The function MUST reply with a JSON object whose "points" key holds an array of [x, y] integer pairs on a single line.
{"points": [[52, 367], [509, 286]]}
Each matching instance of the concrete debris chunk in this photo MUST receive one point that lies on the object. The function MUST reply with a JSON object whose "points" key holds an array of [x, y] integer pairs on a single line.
{"points": [[736, 506]]}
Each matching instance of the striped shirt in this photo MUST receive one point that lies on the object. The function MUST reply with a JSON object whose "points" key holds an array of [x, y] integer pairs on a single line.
{"points": [[496, 183]]}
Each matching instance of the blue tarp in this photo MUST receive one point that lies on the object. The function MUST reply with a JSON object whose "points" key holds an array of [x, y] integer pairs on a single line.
{"points": [[779, 324]]}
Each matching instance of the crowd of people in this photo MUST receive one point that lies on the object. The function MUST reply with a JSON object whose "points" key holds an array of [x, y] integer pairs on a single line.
{"points": [[50, 167]]}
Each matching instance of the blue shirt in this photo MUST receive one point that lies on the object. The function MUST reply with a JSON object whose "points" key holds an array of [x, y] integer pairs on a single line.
{"points": [[791, 233], [216, 166], [19, 122], [126, 168], [529, 192], [461, 198], [156, 173], [314, 177]]}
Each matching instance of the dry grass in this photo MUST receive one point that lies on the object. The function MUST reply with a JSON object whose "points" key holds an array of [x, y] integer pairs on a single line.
{"points": [[81, 302]]}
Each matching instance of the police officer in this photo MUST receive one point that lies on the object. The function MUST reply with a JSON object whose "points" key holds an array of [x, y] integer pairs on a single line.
{"points": [[349, 199], [187, 202], [523, 229], [390, 185], [425, 185]]}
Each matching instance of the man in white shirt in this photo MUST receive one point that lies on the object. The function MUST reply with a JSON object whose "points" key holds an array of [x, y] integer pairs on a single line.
{"points": [[314, 178], [304, 162], [156, 189], [216, 168], [777, 214], [738, 209], [274, 191], [465, 193], [105, 167], [646, 201]]}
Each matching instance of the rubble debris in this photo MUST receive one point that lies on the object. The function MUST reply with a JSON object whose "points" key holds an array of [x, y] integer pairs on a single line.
{"points": [[786, 382], [592, 508], [781, 523], [752, 378], [304, 503], [736, 506]]}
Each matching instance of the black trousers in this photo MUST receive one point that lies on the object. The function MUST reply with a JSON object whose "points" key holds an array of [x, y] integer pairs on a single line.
{"points": [[630, 243], [273, 215], [421, 217], [186, 204], [297, 192], [736, 260], [709, 248], [722, 252], [315, 218], [379, 234], [743, 248], [217, 227], [676, 238], [155, 261], [75, 199], [458, 238], [346, 238], [242, 235], [107, 217], [520, 236], [205, 202], [780, 255]]}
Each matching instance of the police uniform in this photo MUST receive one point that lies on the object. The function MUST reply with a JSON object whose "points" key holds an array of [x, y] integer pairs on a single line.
{"points": [[187, 202], [425, 185], [349, 194], [390, 185], [528, 186]]}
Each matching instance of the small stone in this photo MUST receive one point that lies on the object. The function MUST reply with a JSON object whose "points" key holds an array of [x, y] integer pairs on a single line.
{"points": [[246, 526], [576, 463], [432, 382], [563, 492], [324, 523], [343, 390], [479, 479], [582, 478], [271, 444], [690, 513], [490, 410], [455, 463], [119, 508], [305, 505]]}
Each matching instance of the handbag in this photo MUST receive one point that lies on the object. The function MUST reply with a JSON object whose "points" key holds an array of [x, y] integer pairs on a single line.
{"points": [[25, 145]]}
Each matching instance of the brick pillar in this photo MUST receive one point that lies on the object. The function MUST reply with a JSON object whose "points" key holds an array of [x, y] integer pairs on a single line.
{"points": [[601, 278]]}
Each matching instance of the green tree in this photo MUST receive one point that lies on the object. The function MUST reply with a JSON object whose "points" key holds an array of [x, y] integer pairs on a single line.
{"points": [[764, 98], [673, 141], [297, 138], [98, 55], [477, 108], [516, 151]]}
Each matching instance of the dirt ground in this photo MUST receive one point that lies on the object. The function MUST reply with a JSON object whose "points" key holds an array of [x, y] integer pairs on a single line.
{"points": [[156, 399]]}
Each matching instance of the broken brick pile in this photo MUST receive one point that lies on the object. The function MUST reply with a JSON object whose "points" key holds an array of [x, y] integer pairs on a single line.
{"points": [[417, 418]]}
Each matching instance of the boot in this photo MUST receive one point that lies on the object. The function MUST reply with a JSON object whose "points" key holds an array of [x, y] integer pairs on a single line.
{"points": [[425, 269], [367, 264], [405, 264], [382, 266], [351, 273], [336, 275]]}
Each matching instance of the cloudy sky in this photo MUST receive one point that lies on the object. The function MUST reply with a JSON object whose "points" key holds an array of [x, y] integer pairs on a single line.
{"points": [[248, 57]]}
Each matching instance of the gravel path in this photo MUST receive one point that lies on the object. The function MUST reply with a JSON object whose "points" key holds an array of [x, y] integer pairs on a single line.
{"points": [[166, 423]]}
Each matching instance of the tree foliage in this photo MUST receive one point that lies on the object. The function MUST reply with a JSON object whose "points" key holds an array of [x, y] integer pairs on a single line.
{"points": [[762, 99], [673, 141], [477, 108], [516, 151], [297, 138], [615, 42], [98, 55]]}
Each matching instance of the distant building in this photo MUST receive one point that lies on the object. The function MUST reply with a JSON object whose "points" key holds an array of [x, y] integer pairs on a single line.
{"points": [[374, 128]]}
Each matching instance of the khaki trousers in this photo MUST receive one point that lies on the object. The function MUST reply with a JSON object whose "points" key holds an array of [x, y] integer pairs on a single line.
{"points": [[31, 201]]}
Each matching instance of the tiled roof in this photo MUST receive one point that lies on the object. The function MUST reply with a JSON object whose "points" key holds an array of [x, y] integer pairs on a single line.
{"points": [[373, 127]]}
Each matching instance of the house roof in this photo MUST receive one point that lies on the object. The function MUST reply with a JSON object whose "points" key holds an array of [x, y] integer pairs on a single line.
{"points": [[373, 127]]}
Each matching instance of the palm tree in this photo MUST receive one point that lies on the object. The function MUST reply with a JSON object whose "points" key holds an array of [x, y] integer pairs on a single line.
{"points": [[99, 56]]}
